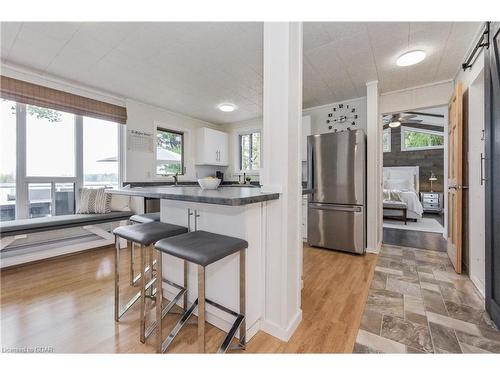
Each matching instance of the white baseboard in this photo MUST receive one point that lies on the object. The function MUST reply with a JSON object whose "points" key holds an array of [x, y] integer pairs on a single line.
{"points": [[374, 250], [283, 334], [478, 285]]}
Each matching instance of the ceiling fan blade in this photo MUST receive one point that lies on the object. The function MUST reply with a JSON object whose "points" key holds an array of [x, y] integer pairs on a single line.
{"points": [[406, 117], [410, 121]]}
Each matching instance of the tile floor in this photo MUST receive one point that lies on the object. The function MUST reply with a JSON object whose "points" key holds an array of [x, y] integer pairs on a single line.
{"points": [[418, 304]]}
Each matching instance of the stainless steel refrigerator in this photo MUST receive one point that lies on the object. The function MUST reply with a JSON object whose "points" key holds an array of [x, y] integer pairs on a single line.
{"points": [[337, 177]]}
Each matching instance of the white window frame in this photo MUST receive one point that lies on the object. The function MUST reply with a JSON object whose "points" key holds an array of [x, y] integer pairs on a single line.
{"points": [[23, 180], [387, 130], [425, 131], [252, 172]]}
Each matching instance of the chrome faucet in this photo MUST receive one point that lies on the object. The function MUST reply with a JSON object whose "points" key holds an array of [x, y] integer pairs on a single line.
{"points": [[176, 178]]}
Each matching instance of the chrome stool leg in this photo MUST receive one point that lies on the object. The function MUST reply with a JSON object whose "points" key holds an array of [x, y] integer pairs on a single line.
{"points": [[143, 297], [132, 256], [159, 300], [117, 279], [243, 326], [201, 309]]}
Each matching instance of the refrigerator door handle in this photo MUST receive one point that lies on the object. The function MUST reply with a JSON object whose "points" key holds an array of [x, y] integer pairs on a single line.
{"points": [[334, 207]]}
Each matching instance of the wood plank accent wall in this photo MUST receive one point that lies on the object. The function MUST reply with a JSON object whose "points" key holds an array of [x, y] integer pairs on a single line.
{"points": [[29, 93], [426, 160]]}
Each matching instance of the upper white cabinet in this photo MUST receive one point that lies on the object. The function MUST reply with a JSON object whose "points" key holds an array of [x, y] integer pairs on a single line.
{"points": [[306, 131], [212, 147]]}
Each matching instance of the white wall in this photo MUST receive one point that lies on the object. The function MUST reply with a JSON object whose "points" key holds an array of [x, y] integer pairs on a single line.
{"points": [[431, 95], [319, 115], [140, 166], [473, 81]]}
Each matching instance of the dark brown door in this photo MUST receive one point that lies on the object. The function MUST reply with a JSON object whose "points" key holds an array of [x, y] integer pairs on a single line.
{"points": [[492, 173]]}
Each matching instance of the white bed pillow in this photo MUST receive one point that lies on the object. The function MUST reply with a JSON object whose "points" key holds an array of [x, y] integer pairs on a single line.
{"points": [[398, 184]]}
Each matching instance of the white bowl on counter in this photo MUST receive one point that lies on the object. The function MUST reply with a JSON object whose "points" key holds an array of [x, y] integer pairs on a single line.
{"points": [[209, 183]]}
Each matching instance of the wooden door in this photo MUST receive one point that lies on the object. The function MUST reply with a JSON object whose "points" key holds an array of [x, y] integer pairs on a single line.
{"points": [[455, 178], [492, 173]]}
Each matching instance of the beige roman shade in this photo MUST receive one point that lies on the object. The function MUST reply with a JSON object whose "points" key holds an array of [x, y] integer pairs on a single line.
{"points": [[29, 93]]}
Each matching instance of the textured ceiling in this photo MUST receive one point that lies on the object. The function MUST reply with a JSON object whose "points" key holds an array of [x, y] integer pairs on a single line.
{"points": [[191, 67]]}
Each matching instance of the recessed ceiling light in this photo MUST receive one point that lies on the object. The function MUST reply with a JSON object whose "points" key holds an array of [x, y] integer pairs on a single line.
{"points": [[411, 58], [226, 107], [394, 124]]}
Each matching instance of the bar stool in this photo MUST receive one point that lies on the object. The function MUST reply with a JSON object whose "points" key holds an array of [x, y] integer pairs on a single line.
{"points": [[140, 219], [145, 234], [203, 248]]}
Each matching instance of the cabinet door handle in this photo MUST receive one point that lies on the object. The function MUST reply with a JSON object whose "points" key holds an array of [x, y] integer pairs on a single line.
{"points": [[189, 219], [196, 216], [483, 158]]}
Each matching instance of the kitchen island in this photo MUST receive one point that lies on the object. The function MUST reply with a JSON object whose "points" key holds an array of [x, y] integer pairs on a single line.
{"points": [[233, 211]]}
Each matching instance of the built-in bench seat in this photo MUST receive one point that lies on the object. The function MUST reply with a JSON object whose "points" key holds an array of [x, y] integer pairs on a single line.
{"points": [[41, 224], [16, 247]]}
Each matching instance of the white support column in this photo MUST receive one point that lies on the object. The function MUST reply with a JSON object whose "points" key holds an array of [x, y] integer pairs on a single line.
{"points": [[374, 163], [281, 173]]}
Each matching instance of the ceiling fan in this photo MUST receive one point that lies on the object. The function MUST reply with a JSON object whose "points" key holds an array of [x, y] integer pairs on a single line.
{"points": [[397, 119]]}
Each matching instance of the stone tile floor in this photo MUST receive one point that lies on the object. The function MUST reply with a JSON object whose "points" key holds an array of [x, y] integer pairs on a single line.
{"points": [[418, 304]]}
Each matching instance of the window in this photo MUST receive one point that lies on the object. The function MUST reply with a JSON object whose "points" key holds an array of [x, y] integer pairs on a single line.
{"points": [[250, 151], [169, 152], [50, 142], [100, 153], [413, 139], [7, 160], [387, 140], [57, 154]]}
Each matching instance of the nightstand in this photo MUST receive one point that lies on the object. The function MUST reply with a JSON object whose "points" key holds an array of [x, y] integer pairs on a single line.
{"points": [[432, 201]]}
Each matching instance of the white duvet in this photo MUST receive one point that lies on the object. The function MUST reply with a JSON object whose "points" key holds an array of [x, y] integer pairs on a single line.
{"points": [[406, 196]]}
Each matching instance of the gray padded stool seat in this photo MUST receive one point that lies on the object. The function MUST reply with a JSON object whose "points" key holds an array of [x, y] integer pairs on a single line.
{"points": [[145, 235], [204, 248], [139, 219], [145, 218], [200, 247], [148, 233]]}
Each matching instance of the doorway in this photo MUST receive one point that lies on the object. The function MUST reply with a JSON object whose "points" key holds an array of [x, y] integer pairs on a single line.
{"points": [[414, 182]]}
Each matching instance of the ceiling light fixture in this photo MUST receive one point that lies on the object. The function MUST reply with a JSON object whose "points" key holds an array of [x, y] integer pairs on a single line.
{"points": [[226, 107], [411, 58], [394, 124]]}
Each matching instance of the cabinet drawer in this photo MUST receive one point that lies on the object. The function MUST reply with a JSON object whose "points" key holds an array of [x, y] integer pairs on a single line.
{"points": [[430, 195], [431, 200], [431, 205]]}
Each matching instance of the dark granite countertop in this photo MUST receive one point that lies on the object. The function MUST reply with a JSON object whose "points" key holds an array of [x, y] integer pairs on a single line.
{"points": [[228, 196]]}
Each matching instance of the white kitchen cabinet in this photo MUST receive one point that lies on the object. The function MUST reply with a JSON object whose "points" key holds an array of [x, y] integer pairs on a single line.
{"points": [[306, 131], [222, 277], [212, 147]]}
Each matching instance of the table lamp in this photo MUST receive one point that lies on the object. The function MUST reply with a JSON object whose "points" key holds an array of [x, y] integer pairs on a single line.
{"points": [[432, 179]]}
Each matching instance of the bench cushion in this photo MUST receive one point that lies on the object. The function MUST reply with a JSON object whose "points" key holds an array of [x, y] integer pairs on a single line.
{"points": [[40, 224], [148, 233], [394, 205], [146, 218], [201, 247]]}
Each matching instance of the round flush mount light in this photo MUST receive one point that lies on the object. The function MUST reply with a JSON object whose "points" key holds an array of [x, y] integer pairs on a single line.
{"points": [[226, 107], [411, 58], [394, 124]]}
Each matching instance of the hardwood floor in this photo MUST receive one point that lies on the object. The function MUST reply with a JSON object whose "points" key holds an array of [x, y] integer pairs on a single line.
{"points": [[67, 304]]}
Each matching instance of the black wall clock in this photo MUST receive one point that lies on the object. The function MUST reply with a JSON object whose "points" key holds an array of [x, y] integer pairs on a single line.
{"points": [[342, 117]]}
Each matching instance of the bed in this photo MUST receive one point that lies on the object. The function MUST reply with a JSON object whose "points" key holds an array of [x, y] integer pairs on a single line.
{"points": [[401, 187]]}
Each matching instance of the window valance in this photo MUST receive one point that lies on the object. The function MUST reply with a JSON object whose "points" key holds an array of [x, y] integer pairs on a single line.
{"points": [[29, 93]]}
